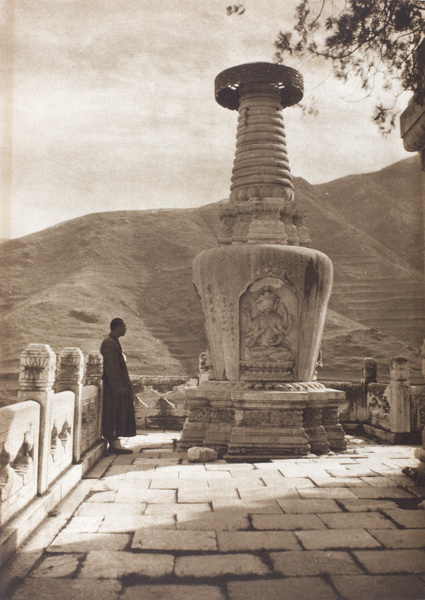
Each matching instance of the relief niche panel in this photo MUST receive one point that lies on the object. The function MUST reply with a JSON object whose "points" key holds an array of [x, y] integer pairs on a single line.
{"points": [[268, 317]]}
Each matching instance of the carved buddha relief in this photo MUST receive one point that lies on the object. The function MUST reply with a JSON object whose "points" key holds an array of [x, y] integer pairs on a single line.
{"points": [[267, 329]]}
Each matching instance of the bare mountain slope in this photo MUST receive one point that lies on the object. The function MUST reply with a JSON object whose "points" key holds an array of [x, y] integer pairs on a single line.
{"points": [[63, 285], [386, 204], [372, 283]]}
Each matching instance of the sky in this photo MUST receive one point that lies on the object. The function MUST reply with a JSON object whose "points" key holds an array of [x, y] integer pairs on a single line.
{"points": [[109, 105]]}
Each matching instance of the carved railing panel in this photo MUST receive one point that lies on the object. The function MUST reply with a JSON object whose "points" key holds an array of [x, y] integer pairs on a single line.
{"points": [[60, 435], [378, 406], [90, 417], [19, 431]]}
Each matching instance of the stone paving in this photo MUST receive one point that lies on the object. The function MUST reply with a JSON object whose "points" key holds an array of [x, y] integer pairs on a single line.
{"points": [[151, 526]]}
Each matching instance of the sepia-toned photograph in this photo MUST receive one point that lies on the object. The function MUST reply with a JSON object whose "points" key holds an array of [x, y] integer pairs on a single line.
{"points": [[212, 338]]}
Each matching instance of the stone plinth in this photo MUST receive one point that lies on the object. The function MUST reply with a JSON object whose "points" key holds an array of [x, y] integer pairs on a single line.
{"points": [[238, 420]]}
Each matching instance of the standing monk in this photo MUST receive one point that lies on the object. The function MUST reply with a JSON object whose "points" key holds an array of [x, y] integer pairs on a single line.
{"points": [[118, 418]]}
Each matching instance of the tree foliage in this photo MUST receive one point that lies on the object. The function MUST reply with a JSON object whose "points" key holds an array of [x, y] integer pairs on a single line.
{"points": [[379, 42]]}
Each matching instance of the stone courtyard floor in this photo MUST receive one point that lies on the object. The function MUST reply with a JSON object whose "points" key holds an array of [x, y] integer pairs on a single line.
{"points": [[151, 526]]}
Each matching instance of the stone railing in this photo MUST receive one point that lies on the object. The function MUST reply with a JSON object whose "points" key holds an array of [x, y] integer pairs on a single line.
{"points": [[394, 411], [19, 439], [160, 401], [54, 426]]}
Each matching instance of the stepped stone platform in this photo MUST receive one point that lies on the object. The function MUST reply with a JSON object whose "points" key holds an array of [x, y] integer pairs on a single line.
{"points": [[151, 525]]}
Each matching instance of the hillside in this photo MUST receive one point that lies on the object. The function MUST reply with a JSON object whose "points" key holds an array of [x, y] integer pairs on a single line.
{"points": [[386, 205], [63, 285]]}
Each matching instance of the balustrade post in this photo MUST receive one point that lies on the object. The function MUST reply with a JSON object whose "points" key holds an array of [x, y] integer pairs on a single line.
{"points": [[399, 396], [36, 379], [93, 376], [69, 377], [369, 375]]}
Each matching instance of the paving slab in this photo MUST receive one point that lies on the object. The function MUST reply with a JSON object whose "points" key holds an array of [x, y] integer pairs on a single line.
{"points": [[327, 492], [298, 483], [335, 539], [219, 565], [107, 564], [274, 478], [224, 520], [366, 505], [110, 509], [178, 508], [68, 589], [392, 561], [319, 505], [223, 465], [387, 481], [67, 542], [85, 524], [44, 535], [120, 472], [237, 483], [292, 588], [414, 519], [287, 522], [130, 523], [116, 483], [207, 475], [200, 541], [254, 541], [100, 467], [171, 483], [338, 482], [268, 493], [61, 565], [75, 497], [268, 506], [203, 495], [385, 492], [356, 521], [102, 496], [151, 463], [404, 538], [139, 496], [173, 592], [306, 563], [390, 587]]}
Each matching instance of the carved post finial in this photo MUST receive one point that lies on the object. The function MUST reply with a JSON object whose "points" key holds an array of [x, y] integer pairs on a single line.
{"points": [[399, 369], [37, 368], [94, 368], [369, 371], [70, 369]]}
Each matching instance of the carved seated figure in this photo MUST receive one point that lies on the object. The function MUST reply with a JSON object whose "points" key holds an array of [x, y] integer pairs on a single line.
{"points": [[264, 326]]}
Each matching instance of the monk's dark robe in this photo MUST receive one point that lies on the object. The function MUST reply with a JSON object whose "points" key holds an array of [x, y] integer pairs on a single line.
{"points": [[118, 419]]}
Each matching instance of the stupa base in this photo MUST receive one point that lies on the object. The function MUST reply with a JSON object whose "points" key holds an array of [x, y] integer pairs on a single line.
{"points": [[240, 422]]}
